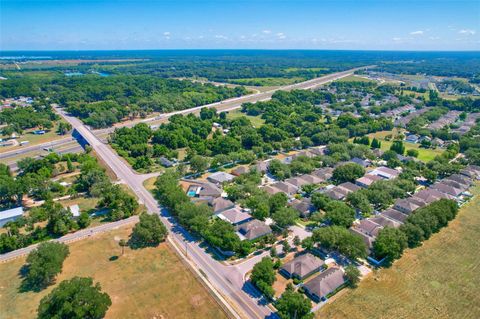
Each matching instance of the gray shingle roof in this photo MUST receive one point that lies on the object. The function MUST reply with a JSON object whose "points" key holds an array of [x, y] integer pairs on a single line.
{"points": [[325, 283], [254, 229], [303, 265]]}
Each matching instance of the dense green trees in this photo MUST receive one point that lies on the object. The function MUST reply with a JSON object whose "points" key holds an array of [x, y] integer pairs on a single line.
{"points": [[340, 239], [43, 265], [119, 203], [398, 147], [148, 232], [389, 244], [103, 101], [285, 216], [77, 298], [293, 304], [340, 214], [263, 276], [353, 275], [428, 220], [348, 173], [21, 118], [197, 218], [34, 180]]}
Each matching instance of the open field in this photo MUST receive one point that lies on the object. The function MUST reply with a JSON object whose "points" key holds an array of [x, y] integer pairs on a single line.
{"points": [[146, 283], [267, 81], [256, 120], [354, 78], [424, 154], [438, 280], [49, 136]]}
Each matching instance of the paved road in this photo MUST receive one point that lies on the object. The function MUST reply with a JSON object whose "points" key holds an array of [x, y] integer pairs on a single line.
{"points": [[38, 147], [227, 280], [226, 105]]}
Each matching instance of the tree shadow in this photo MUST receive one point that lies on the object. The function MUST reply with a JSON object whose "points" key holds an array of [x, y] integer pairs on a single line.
{"points": [[27, 285]]}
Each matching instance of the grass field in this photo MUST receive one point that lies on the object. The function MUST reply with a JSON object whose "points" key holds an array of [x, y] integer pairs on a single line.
{"points": [[49, 136], [147, 283], [267, 81], [438, 280], [424, 154], [354, 78], [256, 120]]}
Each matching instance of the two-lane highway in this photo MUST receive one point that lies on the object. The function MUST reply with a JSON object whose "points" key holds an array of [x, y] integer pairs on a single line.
{"points": [[227, 281]]}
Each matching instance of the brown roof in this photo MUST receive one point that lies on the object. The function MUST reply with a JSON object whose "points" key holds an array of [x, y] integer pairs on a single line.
{"points": [[254, 229], [369, 227], [303, 206], [286, 188], [430, 195], [394, 214], [461, 179], [296, 181], [261, 167], [455, 184], [324, 173], [336, 193], [325, 283], [408, 205], [240, 170], [311, 179], [350, 187], [368, 179], [447, 189], [219, 204], [303, 265], [234, 216], [385, 222], [367, 239], [271, 190]]}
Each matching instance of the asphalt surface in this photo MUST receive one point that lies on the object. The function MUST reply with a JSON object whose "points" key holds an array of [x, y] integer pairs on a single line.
{"points": [[222, 106], [229, 281]]}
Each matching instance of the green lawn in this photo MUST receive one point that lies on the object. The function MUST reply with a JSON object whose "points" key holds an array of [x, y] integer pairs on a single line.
{"points": [[437, 280], [424, 155], [354, 78], [33, 139], [256, 120], [143, 283], [267, 81]]}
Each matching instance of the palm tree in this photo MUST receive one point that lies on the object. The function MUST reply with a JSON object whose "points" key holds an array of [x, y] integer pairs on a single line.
{"points": [[122, 244]]}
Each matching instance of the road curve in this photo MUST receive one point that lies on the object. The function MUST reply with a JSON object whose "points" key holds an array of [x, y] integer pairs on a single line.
{"points": [[227, 280]]}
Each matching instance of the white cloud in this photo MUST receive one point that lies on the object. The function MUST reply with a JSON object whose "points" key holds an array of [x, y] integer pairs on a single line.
{"points": [[281, 35], [467, 31], [166, 33], [221, 37], [434, 38], [266, 31], [397, 39], [418, 32]]}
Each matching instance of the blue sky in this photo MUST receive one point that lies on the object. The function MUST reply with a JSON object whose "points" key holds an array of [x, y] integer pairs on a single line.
{"points": [[255, 24]]}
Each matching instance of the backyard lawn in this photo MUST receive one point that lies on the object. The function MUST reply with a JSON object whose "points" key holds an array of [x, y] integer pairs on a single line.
{"points": [[438, 280], [146, 283], [424, 154], [256, 120]]}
